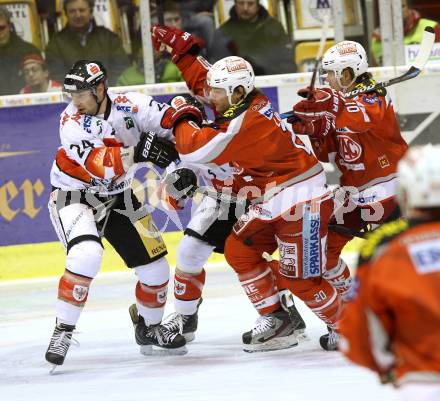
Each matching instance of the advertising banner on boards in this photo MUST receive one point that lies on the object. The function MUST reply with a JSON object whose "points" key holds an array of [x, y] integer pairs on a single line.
{"points": [[28, 142]]}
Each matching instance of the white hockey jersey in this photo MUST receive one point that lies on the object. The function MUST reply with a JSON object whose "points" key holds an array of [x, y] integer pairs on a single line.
{"points": [[90, 154]]}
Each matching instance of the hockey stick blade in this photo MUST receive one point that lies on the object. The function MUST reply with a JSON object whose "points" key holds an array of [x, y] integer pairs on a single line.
{"points": [[420, 62], [412, 72]]}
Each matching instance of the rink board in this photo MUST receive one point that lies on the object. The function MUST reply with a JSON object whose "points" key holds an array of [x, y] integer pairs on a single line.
{"points": [[47, 259]]}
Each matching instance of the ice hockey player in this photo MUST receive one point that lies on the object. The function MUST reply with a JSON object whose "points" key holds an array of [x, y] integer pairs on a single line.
{"points": [[392, 324], [103, 136], [291, 203], [361, 136], [211, 223]]}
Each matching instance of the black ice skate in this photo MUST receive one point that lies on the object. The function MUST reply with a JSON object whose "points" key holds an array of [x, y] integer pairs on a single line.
{"points": [[287, 303], [156, 335], [272, 332], [59, 344], [184, 324], [329, 341]]}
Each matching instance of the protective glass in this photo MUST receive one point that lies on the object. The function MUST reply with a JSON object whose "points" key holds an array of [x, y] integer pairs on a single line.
{"points": [[322, 76]]}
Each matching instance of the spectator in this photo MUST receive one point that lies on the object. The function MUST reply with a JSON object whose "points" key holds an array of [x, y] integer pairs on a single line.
{"points": [[12, 51], [198, 18], [253, 34], [83, 39], [164, 69], [413, 27], [36, 75]]}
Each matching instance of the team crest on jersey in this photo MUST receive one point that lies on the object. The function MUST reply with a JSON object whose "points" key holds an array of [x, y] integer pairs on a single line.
{"points": [[349, 149], [79, 292]]}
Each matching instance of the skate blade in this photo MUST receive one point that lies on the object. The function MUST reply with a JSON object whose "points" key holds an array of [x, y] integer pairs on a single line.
{"points": [[149, 350], [189, 337], [53, 368], [301, 335], [275, 344]]}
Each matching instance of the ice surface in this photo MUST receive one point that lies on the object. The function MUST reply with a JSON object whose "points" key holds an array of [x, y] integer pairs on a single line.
{"points": [[108, 366]]}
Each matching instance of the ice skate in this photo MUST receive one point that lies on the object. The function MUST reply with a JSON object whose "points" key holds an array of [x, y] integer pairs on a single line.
{"points": [[156, 335], [184, 324], [288, 304], [329, 341], [59, 344], [273, 331]]}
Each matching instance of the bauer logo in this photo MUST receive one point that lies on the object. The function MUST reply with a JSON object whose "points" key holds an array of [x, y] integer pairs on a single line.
{"points": [[426, 256], [79, 292]]}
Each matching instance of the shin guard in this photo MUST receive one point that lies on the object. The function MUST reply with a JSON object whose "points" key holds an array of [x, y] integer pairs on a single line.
{"points": [[325, 302], [260, 287], [339, 277], [187, 286], [74, 288]]}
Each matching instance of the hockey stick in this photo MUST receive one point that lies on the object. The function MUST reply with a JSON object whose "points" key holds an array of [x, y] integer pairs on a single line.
{"points": [[412, 72], [159, 9], [318, 57]]}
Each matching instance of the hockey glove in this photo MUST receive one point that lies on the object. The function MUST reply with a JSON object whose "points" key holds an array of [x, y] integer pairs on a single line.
{"points": [[152, 148], [319, 128], [323, 101], [179, 42], [184, 108], [181, 183]]}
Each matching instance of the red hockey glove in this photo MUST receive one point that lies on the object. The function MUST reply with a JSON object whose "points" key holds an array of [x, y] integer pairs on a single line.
{"points": [[323, 101], [180, 42], [182, 110], [319, 128]]}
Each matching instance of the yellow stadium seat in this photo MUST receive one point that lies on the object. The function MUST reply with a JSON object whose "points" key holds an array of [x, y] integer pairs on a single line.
{"points": [[305, 53], [26, 20]]}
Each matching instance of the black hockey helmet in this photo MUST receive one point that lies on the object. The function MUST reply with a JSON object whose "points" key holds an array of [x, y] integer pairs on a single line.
{"points": [[85, 75]]}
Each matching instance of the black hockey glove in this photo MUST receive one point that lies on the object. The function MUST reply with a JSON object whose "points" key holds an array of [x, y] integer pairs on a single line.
{"points": [[181, 183], [152, 148]]}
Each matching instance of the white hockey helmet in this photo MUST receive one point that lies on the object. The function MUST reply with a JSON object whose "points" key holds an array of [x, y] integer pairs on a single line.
{"points": [[343, 55], [419, 177], [230, 73]]}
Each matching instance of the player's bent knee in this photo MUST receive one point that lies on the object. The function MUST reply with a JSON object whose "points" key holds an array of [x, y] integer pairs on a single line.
{"points": [[85, 258], [192, 254], [154, 273]]}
